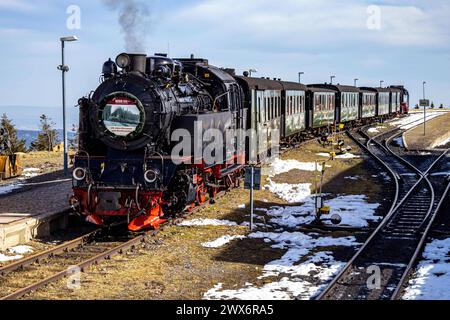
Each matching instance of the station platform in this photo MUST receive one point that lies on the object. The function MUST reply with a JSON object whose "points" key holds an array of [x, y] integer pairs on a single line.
{"points": [[437, 134], [33, 209]]}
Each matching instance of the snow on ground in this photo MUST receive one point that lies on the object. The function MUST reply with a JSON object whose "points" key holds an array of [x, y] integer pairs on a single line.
{"points": [[375, 130], [323, 154], [30, 173], [281, 166], [417, 118], [7, 258], [20, 250], [221, 241], [241, 206], [354, 178], [27, 174], [15, 253], [207, 222], [292, 280], [444, 143], [5, 189], [346, 156], [291, 193], [342, 156], [432, 279], [354, 209]]}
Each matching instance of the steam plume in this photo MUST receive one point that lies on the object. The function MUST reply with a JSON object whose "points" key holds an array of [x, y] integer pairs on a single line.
{"points": [[134, 20]]}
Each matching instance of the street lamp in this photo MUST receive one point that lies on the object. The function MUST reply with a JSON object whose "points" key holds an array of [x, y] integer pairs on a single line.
{"points": [[63, 68], [424, 111], [331, 79], [252, 71], [300, 77], [356, 80], [381, 83]]}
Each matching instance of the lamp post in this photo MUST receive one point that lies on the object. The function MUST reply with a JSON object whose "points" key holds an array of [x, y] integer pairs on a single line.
{"points": [[356, 80], [331, 79], [381, 83], [424, 111], [300, 77], [252, 71], [63, 68]]}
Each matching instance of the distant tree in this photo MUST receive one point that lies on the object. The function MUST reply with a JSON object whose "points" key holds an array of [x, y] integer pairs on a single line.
{"points": [[417, 106], [47, 137], [441, 106], [16, 144], [432, 105], [73, 143]]}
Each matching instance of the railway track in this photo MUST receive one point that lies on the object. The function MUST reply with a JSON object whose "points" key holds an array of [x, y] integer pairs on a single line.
{"points": [[381, 267], [47, 267]]}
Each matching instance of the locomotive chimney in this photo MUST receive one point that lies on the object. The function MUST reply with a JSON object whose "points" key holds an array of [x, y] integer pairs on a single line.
{"points": [[138, 63]]}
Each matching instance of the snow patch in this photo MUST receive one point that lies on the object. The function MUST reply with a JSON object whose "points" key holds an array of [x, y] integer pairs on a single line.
{"points": [[323, 154], [444, 143], [346, 156], [5, 189], [297, 281], [20, 250], [221, 241], [354, 209], [5, 258], [282, 166], [291, 193], [207, 222], [417, 119], [433, 274], [30, 172]]}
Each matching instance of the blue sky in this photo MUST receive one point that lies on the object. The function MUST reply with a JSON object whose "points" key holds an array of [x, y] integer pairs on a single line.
{"points": [[279, 38]]}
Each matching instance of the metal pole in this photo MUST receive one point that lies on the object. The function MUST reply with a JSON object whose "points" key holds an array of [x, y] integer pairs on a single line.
{"points": [[300, 77], [424, 112], [66, 165], [251, 196]]}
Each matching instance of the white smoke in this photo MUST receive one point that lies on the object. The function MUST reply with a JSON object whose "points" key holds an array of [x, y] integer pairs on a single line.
{"points": [[134, 20]]}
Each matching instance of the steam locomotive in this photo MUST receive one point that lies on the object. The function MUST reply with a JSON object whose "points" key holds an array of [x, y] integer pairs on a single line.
{"points": [[126, 169]]}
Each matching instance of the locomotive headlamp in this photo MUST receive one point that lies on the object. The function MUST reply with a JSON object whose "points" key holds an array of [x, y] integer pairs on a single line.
{"points": [[123, 60], [79, 174], [150, 176]]}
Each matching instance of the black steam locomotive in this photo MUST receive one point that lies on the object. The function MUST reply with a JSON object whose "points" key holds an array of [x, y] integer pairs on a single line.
{"points": [[127, 170]]}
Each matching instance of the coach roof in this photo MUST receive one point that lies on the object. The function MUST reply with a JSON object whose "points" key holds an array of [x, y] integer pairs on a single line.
{"points": [[337, 87], [261, 83], [287, 85]]}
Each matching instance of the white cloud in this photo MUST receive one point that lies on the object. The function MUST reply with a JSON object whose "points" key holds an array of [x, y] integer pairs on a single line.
{"points": [[292, 22], [17, 5]]}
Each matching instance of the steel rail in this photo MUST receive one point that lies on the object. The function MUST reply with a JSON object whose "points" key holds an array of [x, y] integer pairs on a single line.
{"points": [[65, 247], [119, 249], [431, 212], [398, 291]]}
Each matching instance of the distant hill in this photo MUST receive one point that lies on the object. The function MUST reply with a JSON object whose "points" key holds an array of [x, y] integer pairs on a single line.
{"points": [[27, 118], [31, 135]]}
